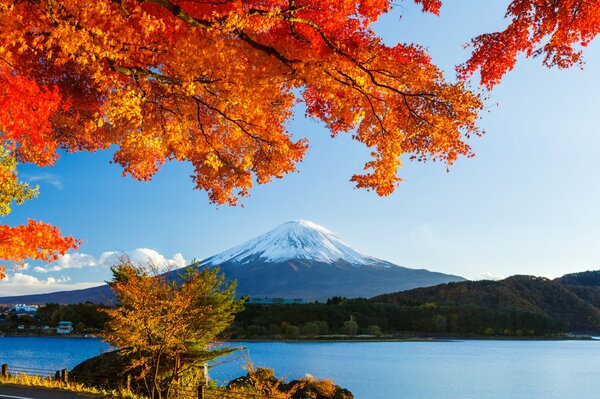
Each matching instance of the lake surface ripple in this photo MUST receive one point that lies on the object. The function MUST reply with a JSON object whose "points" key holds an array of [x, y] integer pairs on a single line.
{"points": [[384, 370]]}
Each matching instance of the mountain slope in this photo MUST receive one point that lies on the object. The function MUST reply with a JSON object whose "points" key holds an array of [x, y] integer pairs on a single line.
{"points": [[99, 294], [585, 285], [297, 259], [318, 280], [552, 298]]}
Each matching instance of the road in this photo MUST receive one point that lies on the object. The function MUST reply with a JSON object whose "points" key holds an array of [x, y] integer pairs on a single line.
{"points": [[19, 392]]}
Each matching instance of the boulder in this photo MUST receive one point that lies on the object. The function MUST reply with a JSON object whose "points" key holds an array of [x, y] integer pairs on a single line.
{"points": [[108, 370]]}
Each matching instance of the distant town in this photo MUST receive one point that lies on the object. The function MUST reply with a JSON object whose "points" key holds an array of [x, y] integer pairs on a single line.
{"points": [[51, 319]]}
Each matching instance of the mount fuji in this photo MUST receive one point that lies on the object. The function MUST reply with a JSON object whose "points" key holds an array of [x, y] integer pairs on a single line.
{"points": [[297, 260], [300, 259], [295, 240]]}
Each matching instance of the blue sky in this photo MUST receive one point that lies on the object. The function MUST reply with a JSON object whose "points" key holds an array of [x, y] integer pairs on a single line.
{"points": [[526, 204]]}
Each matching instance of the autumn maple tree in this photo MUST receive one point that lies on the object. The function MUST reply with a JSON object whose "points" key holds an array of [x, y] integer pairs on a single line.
{"points": [[557, 30], [214, 82], [34, 240]]}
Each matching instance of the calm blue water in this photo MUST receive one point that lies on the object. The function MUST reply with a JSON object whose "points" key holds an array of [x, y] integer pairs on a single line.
{"points": [[386, 370], [48, 352]]}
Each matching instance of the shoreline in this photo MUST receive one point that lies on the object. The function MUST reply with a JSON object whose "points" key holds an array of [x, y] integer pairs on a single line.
{"points": [[82, 336], [416, 338]]}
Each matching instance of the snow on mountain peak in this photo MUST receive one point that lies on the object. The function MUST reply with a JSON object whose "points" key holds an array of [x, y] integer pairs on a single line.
{"points": [[298, 239]]}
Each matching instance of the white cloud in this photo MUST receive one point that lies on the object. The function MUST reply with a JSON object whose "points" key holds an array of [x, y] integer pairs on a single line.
{"points": [[110, 258], [490, 276], [45, 177], [25, 284], [68, 261], [143, 256], [19, 283]]}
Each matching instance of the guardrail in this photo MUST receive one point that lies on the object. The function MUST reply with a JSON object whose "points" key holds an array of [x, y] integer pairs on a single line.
{"points": [[202, 392], [62, 375]]}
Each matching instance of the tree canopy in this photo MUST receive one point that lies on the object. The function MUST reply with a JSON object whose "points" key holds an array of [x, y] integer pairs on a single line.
{"points": [[214, 83], [168, 327], [557, 30]]}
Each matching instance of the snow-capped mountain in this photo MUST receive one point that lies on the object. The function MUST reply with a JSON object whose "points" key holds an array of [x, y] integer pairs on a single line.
{"points": [[299, 239], [298, 259]]}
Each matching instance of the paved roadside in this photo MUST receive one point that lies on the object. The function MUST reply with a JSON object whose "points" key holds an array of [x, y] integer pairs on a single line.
{"points": [[20, 392]]}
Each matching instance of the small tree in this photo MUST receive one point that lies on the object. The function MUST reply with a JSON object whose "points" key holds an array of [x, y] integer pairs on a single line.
{"points": [[351, 326], [168, 326], [291, 331], [310, 329], [323, 327], [489, 331], [374, 330]]}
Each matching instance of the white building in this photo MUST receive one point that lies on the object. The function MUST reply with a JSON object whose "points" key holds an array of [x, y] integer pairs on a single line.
{"points": [[22, 308], [64, 327]]}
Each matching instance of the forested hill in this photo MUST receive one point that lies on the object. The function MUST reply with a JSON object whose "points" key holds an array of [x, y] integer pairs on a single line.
{"points": [[584, 279], [585, 285], [515, 306], [573, 299]]}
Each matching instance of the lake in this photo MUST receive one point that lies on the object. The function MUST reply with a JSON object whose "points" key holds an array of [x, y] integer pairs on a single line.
{"points": [[469, 369]]}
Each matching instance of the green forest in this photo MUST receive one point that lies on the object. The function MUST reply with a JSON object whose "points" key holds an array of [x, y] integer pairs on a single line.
{"points": [[364, 317], [518, 306]]}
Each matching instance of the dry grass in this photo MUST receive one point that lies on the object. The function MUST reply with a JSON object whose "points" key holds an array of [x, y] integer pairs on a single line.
{"points": [[51, 383]]}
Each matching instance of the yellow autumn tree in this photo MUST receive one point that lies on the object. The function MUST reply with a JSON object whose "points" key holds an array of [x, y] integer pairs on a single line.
{"points": [[167, 324]]}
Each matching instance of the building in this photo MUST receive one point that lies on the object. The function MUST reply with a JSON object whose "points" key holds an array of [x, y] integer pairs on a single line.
{"points": [[64, 327], [271, 301], [21, 309]]}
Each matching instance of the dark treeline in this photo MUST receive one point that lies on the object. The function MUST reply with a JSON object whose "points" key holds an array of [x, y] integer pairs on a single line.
{"points": [[587, 279], [362, 316], [339, 316], [515, 306], [88, 314], [573, 299]]}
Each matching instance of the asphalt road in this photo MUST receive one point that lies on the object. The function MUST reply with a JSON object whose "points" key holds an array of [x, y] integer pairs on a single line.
{"points": [[18, 392]]}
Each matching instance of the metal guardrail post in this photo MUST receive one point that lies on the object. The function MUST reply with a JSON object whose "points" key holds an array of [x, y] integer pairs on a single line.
{"points": [[202, 387], [5, 370], [64, 376]]}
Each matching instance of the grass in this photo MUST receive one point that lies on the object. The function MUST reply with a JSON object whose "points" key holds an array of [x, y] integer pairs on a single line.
{"points": [[51, 383]]}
